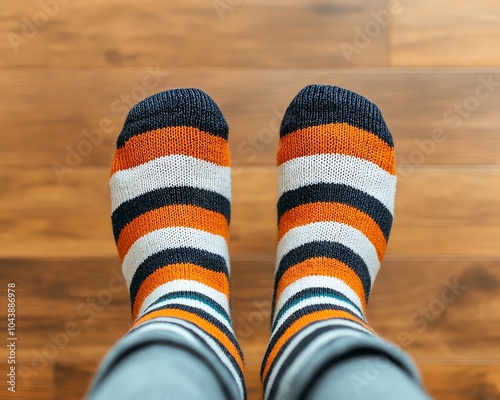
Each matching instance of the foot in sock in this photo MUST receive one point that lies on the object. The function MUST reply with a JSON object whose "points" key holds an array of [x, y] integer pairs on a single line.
{"points": [[336, 199], [171, 190]]}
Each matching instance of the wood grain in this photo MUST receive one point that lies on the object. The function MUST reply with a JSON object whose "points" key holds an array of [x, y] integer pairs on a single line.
{"points": [[190, 33], [423, 34], [452, 211], [62, 103]]}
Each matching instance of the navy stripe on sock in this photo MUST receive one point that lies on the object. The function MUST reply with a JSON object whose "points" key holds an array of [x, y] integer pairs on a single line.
{"points": [[178, 255], [154, 199], [338, 193], [320, 105], [192, 296], [178, 107], [310, 293], [332, 250]]}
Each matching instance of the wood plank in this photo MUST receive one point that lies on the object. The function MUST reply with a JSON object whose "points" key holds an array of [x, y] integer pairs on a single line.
{"points": [[64, 306], [444, 211], [252, 378], [63, 102], [439, 309], [412, 305], [462, 382], [437, 212], [71, 381], [42, 216], [189, 33], [466, 34]]}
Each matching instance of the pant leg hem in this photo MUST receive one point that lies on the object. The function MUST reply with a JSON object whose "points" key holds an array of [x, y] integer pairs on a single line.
{"points": [[138, 339], [294, 387]]}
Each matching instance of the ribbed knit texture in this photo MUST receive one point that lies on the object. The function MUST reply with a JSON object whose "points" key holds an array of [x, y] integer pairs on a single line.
{"points": [[336, 200], [170, 193]]}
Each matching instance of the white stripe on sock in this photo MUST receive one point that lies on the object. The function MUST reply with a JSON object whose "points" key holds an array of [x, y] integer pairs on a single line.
{"points": [[326, 282], [338, 169], [331, 232], [182, 285], [171, 238], [169, 171]]}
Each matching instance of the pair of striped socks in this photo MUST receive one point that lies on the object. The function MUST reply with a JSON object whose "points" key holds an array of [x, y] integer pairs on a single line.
{"points": [[171, 197]]}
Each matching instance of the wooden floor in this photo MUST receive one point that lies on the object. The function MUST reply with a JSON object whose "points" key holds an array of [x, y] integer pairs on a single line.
{"points": [[69, 73]]}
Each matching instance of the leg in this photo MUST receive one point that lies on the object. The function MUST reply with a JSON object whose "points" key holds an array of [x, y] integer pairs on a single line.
{"points": [[337, 182], [170, 195]]}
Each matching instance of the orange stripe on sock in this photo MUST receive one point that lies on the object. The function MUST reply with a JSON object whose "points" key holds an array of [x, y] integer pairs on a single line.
{"points": [[188, 216], [302, 323], [335, 212], [191, 272], [200, 322], [186, 140], [337, 138], [323, 266]]}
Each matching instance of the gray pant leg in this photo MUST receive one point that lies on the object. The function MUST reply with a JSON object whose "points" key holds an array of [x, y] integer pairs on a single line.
{"points": [[365, 377], [159, 372], [160, 365], [350, 368]]}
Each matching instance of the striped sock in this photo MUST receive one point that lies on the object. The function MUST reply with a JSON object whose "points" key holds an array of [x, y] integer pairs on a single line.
{"points": [[170, 191], [336, 185]]}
